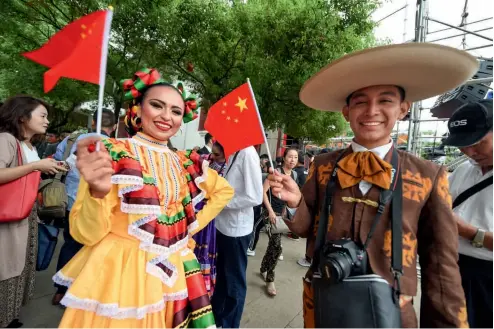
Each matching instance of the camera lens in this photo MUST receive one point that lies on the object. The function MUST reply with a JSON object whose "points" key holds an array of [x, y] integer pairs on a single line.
{"points": [[341, 266]]}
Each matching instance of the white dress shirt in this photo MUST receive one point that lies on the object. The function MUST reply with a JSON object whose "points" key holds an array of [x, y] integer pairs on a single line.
{"points": [[380, 151], [237, 218], [476, 210]]}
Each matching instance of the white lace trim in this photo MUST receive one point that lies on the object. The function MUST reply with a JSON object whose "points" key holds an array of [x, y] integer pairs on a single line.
{"points": [[61, 279], [151, 147], [128, 179], [139, 209], [151, 268], [193, 226], [164, 251], [112, 310], [198, 180]]}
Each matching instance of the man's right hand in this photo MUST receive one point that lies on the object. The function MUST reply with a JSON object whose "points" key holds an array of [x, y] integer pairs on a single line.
{"points": [[96, 167], [285, 188]]}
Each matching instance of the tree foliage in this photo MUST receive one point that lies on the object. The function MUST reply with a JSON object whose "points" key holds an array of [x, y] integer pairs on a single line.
{"points": [[214, 45]]}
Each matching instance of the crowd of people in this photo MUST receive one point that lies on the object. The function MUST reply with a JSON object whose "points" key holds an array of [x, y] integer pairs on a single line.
{"points": [[157, 237]]}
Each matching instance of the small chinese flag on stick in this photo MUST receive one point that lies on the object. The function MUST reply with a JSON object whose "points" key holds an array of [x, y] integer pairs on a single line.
{"points": [[78, 51], [234, 120]]}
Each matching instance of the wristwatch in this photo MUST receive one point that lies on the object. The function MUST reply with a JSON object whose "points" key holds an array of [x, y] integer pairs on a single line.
{"points": [[478, 240]]}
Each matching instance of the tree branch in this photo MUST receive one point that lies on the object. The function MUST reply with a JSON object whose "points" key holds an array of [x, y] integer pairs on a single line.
{"points": [[60, 11], [50, 21], [232, 61]]}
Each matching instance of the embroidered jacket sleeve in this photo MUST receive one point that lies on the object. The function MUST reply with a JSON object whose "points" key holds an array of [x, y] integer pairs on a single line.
{"points": [[90, 218], [305, 215], [443, 301]]}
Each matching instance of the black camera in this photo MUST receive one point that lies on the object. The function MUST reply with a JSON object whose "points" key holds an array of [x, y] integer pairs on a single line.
{"points": [[341, 259]]}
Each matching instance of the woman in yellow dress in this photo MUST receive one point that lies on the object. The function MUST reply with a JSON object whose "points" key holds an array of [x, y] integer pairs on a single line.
{"points": [[135, 216]]}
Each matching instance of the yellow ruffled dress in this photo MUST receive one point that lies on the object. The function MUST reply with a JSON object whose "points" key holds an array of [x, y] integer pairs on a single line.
{"points": [[137, 267]]}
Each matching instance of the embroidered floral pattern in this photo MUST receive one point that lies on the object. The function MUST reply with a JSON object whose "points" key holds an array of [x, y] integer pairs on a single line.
{"points": [[409, 247], [312, 169], [443, 188], [324, 173], [416, 187], [463, 317]]}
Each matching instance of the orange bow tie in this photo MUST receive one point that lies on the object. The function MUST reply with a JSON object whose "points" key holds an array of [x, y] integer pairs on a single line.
{"points": [[365, 166]]}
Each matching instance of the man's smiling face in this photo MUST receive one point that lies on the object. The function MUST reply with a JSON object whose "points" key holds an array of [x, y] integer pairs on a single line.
{"points": [[372, 113]]}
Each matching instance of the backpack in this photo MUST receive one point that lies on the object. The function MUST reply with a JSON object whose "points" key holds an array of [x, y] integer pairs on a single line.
{"points": [[52, 196]]}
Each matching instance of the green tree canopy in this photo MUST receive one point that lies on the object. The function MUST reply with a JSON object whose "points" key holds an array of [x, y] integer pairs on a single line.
{"points": [[214, 45]]}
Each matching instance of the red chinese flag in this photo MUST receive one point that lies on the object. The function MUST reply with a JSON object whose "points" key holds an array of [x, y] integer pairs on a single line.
{"points": [[74, 52], [233, 121]]}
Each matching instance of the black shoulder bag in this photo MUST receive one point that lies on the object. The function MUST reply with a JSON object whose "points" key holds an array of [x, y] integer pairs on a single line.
{"points": [[343, 299]]}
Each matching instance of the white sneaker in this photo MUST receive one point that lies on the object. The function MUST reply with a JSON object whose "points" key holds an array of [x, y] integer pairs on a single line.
{"points": [[271, 289], [281, 257], [251, 252], [303, 262]]}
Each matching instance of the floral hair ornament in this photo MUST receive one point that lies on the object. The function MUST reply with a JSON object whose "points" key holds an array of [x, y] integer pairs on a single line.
{"points": [[142, 80]]}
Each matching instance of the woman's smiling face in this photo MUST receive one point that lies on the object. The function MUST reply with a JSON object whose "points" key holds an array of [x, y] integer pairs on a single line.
{"points": [[162, 111]]}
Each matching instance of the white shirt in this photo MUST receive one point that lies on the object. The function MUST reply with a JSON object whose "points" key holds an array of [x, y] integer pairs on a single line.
{"points": [[30, 155], [380, 151], [476, 210], [210, 149], [237, 218]]}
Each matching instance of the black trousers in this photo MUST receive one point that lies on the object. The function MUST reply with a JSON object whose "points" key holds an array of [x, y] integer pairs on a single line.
{"points": [[476, 279], [258, 225], [70, 247]]}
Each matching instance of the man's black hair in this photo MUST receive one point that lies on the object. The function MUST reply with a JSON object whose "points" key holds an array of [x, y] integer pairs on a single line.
{"points": [[107, 118], [400, 90], [208, 138]]}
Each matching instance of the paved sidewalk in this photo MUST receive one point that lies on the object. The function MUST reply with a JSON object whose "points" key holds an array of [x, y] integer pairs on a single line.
{"points": [[261, 311]]}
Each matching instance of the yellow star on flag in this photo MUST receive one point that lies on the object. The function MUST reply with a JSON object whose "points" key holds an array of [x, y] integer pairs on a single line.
{"points": [[228, 118], [223, 112], [241, 104], [236, 120], [225, 104]]}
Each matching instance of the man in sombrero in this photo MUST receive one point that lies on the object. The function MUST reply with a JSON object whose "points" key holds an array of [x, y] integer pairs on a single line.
{"points": [[373, 89]]}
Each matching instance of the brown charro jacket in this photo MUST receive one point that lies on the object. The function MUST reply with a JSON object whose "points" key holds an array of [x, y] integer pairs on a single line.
{"points": [[429, 231]]}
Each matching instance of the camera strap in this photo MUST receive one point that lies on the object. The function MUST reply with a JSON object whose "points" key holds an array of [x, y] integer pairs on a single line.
{"points": [[384, 198]]}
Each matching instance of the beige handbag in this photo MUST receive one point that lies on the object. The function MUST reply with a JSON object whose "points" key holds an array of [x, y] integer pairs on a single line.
{"points": [[280, 226]]}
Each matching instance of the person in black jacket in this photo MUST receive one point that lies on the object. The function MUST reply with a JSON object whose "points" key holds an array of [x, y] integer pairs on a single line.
{"points": [[206, 149]]}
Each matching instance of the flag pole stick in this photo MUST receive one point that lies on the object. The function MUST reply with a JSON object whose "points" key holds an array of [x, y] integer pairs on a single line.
{"points": [[102, 71], [262, 126]]}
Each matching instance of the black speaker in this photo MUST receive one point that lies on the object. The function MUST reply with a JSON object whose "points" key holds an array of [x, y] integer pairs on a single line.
{"points": [[449, 102]]}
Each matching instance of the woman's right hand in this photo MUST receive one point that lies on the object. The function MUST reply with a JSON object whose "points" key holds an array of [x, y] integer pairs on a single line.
{"points": [[48, 166], [95, 167], [272, 217], [285, 188]]}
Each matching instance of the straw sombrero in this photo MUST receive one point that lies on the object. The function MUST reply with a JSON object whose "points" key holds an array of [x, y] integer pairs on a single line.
{"points": [[424, 70]]}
